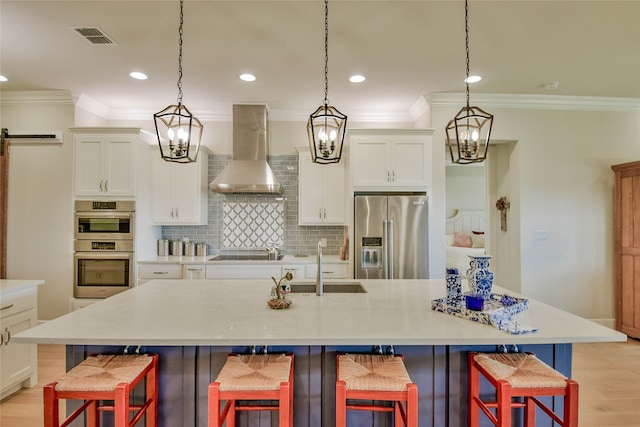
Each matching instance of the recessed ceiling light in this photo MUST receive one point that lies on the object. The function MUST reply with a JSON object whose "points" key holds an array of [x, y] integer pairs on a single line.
{"points": [[472, 79], [138, 75], [3, 79], [357, 78], [247, 77], [552, 85]]}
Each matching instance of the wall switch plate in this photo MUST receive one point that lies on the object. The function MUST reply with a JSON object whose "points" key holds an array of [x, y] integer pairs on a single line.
{"points": [[323, 243], [542, 234]]}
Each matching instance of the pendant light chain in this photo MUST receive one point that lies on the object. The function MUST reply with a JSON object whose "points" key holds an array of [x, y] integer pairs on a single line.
{"points": [[466, 41], [180, 31], [326, 52]]}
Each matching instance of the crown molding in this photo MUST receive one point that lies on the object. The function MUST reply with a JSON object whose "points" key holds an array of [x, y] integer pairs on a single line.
{"points": [[543, 102], [36, 97], [420, 107]]}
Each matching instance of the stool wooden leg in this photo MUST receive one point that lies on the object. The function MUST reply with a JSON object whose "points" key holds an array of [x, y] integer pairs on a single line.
{"points": [[341, 404], [283, 409], [503, 389], [51, 409], [473, 393], [412, 405], [152, 394], [93, 416], [571, 404], [529, 412], [121, 404], [214, 405]]}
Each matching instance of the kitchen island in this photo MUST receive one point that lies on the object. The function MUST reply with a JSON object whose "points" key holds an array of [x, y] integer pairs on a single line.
{"points": [[194, 324]]}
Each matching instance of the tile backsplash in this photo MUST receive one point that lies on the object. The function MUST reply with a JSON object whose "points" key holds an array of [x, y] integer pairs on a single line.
{"points": [[297, 239]]}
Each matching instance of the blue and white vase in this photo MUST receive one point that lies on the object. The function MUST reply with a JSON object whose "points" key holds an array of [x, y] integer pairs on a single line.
{"points": [[479, 277], [454, 287]]}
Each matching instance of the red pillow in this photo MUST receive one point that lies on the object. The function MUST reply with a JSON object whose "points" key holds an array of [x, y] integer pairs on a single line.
{"points": [[462, 240]]}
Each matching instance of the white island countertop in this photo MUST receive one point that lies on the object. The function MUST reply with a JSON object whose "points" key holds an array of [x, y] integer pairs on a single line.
{"points": [[235, 312]]}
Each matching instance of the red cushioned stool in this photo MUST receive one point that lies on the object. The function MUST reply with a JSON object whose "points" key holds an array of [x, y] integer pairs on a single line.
{"points": [[252, 377], [375, 377], [519, 375], [106, 377]]}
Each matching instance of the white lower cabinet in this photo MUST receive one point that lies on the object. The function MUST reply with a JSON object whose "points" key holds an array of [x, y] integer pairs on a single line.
{"points": [[148, 272], [329, 271], [18, 362], [194, 272], [243, 271]]}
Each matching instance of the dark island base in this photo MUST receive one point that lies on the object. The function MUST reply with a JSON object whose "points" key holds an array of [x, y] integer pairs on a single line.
{"points": [[439, 371]]}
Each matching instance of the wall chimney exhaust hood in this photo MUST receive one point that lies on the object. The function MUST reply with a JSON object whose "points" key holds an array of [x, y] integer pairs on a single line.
{"points": [[248, 171]]}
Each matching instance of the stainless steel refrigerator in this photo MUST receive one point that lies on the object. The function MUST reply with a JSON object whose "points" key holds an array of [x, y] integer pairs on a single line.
{"points": [[391, 236]]}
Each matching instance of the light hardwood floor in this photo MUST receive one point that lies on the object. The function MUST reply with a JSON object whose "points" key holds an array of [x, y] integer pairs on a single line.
{"points": [[608, 374]]}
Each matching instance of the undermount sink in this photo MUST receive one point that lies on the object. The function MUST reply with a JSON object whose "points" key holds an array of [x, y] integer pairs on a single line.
{"points": [[329, 288], [245, 257]]}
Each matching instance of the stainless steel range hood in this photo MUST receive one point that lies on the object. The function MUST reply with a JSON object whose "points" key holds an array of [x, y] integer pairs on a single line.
{"points": [[249, 171]]}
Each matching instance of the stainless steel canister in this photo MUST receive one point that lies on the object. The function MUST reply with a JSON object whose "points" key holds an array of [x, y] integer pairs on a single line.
{"points": [[190, 249], [201, 249], [163, 247], [176, 247]]}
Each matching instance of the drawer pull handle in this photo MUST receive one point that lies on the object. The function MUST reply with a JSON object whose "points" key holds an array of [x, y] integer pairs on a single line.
{"points": [[7, 307], [328, 272], [8, 336], [160, 272]]}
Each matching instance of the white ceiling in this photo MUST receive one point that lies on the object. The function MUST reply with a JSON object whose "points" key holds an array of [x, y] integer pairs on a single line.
{"points": [[406, 49]]}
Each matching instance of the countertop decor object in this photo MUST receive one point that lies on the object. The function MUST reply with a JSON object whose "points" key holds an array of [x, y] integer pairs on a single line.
{"points": [[279, 292], [479, 276], [496, 310]]}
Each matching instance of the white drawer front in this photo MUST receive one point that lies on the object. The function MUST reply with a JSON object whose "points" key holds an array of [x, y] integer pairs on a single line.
{"points": [[329, 271], [17, 302], [160, 271]]}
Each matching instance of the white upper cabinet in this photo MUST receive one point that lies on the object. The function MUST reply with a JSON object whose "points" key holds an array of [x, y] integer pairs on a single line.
{"points": [[388, 159], [179, 190], [104, 162], [321, 191]]}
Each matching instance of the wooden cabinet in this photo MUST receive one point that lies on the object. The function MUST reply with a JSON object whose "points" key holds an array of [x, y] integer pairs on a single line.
{"points": [[104, 162], [627, 247], [18, 362], [391, 159], [179, 191], [321, 191]]}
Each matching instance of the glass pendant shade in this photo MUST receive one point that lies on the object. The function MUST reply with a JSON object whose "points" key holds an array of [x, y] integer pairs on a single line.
{"points": [[326, 128], [468, 135], [179, 134]]}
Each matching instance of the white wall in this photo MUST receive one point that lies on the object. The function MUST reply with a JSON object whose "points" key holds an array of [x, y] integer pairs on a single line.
{"points": [[561, 181], [40, 208]]}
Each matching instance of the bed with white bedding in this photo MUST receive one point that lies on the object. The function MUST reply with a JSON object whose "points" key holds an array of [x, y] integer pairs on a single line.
{"points": [[465, 236]]}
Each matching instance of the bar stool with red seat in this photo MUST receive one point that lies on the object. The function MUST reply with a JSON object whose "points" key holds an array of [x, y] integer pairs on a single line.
{"points": [[106, 377], [373, 377], [252, 377], [519, 375]]}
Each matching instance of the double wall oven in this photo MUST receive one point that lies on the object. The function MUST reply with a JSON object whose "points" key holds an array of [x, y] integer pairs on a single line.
{"points": [[104, 262]]}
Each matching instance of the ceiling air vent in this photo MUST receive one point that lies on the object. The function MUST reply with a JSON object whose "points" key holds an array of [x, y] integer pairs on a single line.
{"points": [[94, 35]]}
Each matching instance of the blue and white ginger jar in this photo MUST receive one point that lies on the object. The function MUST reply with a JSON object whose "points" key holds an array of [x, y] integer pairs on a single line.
{"points": [[479, 277]]}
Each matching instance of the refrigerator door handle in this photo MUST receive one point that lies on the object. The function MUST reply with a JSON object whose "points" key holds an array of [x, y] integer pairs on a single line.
{"points": [[391, 256], [385, 248]]}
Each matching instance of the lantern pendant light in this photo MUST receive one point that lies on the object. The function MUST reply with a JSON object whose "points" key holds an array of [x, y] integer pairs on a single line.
{"points": [[326, 126], [178, 131], [469, 131]]}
